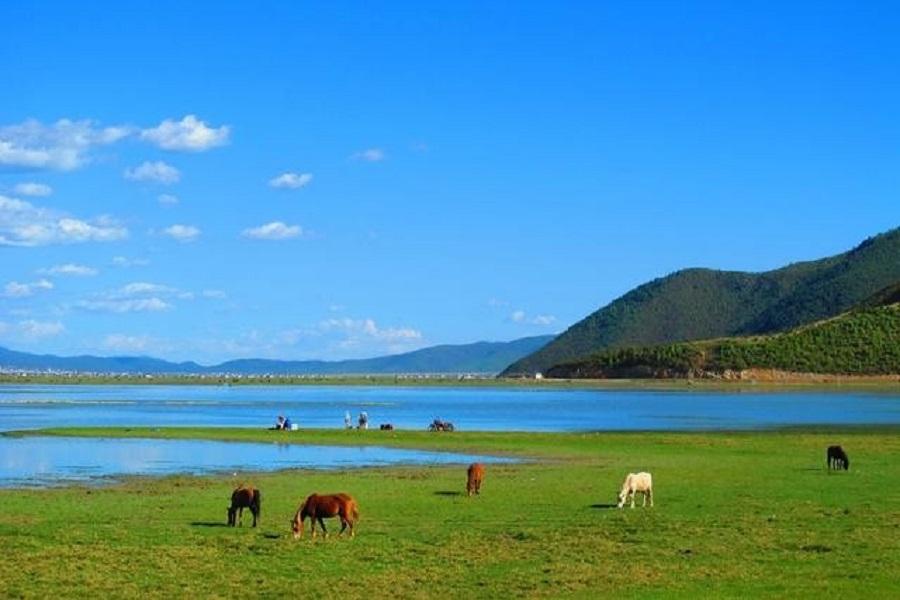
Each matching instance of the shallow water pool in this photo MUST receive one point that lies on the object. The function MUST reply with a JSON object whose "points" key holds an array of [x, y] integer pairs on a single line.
{"points": [[43, 461]]}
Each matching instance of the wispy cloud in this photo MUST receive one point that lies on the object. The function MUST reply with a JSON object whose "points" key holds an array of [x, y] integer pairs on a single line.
{"points": [[120, 342], [14, 289], [291, 181], [33, 330], [368, 328], [64, 145], [154, 172], [139, 296], [370, 155], [182, 233], [69, 269], [520, 316], [124, 261], [126, 305], [167, 199], [30, 188], [275, 230], [190, 134], [23, 224]]}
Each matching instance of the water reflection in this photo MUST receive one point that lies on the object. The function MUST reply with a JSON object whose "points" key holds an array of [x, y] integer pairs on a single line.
{"points": [[43, 461]]}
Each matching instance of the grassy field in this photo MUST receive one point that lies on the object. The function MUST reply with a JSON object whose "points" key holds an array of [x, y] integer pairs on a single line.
{"points": [[737, 515]]}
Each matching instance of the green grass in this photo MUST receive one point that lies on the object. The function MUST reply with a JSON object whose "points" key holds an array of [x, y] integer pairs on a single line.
{"points": [[737, 515]]}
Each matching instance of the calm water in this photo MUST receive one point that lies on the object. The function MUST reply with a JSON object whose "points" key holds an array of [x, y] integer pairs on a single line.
{"points": [[42, 461], [31, 407]]}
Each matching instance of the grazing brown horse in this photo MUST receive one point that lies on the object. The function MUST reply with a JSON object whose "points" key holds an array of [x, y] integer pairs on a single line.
{"points": [[475, 477], [241, 498], [318, 507]]}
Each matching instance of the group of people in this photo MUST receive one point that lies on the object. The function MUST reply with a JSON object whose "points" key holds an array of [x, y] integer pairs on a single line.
{"points": [[362, 421], [283, 423]]}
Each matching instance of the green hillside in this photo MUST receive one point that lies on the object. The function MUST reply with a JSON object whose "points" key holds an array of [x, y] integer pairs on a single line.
{"points": [[861, 342], [699, 304]]}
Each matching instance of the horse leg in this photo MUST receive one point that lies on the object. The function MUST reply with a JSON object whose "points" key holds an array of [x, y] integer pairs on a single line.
{"points": [[312, 526], [650, 493], [254, 516], [644, 505], [632, 499], [241, 516], [324, 531]]}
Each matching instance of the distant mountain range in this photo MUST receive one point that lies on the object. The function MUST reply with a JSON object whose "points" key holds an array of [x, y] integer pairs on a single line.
{"points": [[862, 341], [480, 357], [696, 304]]}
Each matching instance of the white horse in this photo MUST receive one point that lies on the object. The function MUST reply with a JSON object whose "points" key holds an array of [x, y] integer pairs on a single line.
{"points": [[636, 482]]}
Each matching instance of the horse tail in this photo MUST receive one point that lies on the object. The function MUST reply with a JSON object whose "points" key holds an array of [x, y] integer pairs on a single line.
{"points": [[257, 501], [354, 512]]}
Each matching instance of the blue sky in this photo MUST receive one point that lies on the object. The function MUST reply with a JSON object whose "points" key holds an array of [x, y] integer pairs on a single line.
{"points": [[332, 180]]}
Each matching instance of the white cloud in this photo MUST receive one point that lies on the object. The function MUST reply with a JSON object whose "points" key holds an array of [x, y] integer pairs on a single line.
{"points": [[70, 269], [519, 316], [63, 146], [189, 134], [30, 188], [142, 287], [275, 230], [33, 330], [130, 343], [154, 172], [182, 233], [214, 294], [152, 304], [543, 320], [23, 224], [167, 199], [139, 296], [291, 180], [369, 328], [14, 289], [371, 155], [124, 261]]}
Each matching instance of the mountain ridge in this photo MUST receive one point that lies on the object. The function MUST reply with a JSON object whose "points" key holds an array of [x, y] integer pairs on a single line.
{"points": [[477, 357], [698, 303]]}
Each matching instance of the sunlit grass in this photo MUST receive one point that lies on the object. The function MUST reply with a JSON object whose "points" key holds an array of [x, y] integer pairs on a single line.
{"points": [[738, 514]]}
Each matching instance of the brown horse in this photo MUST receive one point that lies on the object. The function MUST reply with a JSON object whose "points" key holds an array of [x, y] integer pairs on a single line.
{"points": [[241, 498], [475, 477], [318, 507]]}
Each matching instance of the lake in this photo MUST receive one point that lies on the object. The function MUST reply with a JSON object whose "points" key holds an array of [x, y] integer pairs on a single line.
{"points": [[37, 406], [44, 461]]}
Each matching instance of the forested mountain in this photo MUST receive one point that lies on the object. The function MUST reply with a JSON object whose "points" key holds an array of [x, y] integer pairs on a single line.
{"points": [[865, 341], [697, 304]]}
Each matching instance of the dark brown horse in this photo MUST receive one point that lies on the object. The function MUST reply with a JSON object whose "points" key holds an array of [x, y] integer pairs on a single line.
{"points": [[241, 498], [318, 507], [837, 458], [386, 427], [475, 477]]}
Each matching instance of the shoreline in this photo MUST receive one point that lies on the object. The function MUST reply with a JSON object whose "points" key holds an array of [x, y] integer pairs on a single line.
{"points": [[751, 380]]}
